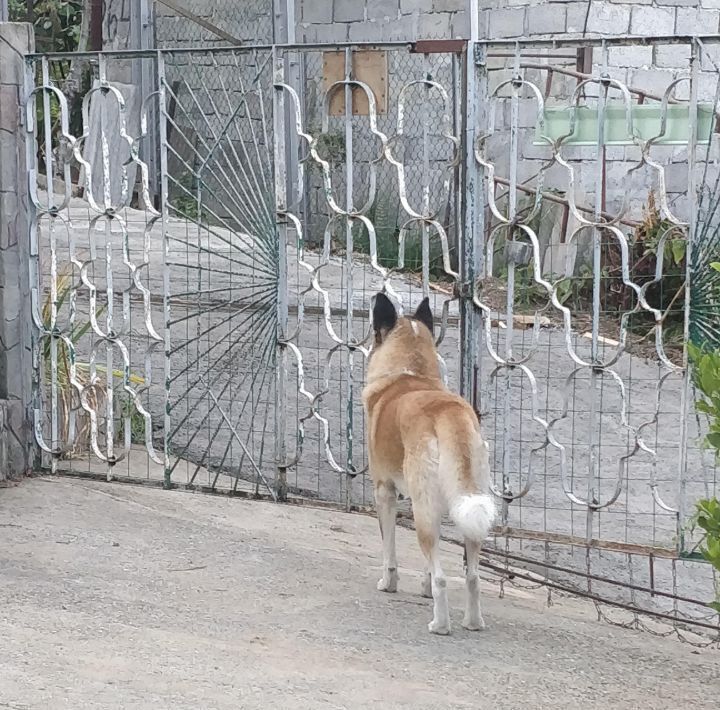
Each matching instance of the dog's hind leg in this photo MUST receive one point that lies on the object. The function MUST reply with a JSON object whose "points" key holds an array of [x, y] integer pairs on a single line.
{"points": [[473, 620], [427, 524], [386, 503], [426, 584]]}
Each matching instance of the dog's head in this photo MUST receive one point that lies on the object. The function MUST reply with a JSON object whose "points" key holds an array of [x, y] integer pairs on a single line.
{"points": [[402, 344]]}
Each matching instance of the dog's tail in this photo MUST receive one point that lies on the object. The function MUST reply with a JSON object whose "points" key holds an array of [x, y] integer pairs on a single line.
{"points": [[464, 470], [473, 514]]}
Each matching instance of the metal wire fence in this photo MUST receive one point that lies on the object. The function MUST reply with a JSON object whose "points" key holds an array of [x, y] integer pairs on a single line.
{"points": [[219, 338], [194, 23]]}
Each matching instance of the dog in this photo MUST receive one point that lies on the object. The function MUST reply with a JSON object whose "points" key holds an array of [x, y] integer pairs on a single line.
{"points": [[424, 442]]}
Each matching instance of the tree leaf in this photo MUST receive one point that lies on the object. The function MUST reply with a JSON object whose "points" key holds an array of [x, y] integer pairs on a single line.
{"points": [[678, 250]]}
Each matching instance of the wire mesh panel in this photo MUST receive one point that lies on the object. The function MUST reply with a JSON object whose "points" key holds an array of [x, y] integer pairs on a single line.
{"points": [[96, 266], [372, 204], [196, 23], [157, 317], [222, 259], [215, 334], [592, 244]]}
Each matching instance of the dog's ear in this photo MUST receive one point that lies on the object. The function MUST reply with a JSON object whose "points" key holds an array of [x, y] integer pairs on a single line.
{"points": [[384, 316], [424, 314]]}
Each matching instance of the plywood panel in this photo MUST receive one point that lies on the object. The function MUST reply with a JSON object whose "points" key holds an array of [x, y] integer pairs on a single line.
{"points": [[369, 66]]}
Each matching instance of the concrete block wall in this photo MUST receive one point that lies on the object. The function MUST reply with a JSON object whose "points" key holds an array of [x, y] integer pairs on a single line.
{"points": [[15, 358], [381, 20], [648, 68], [537, 18]]}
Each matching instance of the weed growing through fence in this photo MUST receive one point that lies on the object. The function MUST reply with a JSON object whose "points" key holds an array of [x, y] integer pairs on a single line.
{"points": [[654, 235], [387, 239], [95, 392]]}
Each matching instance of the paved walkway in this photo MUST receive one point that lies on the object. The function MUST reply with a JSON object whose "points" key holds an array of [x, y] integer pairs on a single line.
{"points": [[122, 597]]}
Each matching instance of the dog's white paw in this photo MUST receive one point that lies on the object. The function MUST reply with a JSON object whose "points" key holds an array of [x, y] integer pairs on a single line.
{"points": [[473, 624], [388, 583], [442, 628]]}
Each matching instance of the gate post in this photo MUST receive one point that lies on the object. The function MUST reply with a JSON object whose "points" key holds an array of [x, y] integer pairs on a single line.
{"points": [[16, 40], [473, 211]]}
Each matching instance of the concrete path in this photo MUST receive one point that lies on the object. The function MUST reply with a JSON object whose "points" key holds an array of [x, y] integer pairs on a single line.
{"points": [[119, 597]]}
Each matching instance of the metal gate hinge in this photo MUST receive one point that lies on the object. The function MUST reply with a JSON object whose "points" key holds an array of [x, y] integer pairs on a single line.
{"points": [[479, 55]]}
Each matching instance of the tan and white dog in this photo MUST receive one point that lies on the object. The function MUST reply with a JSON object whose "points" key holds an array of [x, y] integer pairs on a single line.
{"points": [[424, 442]]}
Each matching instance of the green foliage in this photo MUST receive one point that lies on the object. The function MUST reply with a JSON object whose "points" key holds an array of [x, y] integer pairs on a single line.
{"points": [[576, 292], [706, 378], [387, 239], [183, 198], [330, 146], [707, 518], [57, 23], [58, 27], [137, 421], [66, 393]]}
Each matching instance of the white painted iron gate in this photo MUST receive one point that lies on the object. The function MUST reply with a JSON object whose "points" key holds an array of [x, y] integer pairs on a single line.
{"points": [[558, 212]]}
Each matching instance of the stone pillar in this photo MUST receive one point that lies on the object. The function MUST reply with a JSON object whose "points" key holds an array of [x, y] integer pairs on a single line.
{"points": [[15, 321]]}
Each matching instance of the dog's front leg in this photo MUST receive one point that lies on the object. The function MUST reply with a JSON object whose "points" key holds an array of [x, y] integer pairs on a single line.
{"points": [[386, 502]]}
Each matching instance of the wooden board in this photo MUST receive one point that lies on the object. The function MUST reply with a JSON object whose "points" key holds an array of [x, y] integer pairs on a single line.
{"points": [[369, 66]]}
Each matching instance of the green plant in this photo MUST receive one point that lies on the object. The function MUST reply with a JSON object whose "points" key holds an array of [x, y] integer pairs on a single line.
{"points": [[184, 198], [137, 421], [707, 518], [66, 392], [387, 240], [59, 26], [706, 378], [330, 146], [57, 23]]}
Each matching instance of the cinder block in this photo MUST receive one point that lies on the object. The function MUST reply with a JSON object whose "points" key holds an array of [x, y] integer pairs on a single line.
{"points": [[348, 11], [546, 19], [691, 21], [507, 23], [647, 21]]}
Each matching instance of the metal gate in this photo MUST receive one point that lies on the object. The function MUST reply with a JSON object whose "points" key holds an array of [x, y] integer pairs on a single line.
{"points": [[214, 335]]}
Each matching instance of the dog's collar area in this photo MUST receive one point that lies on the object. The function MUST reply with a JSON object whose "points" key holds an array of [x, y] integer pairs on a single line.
{"points": [[399, 373]]}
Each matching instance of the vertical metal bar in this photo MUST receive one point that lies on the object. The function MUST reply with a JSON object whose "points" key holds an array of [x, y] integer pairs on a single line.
{"points": [[281, 206], [594, 422], [349, 337], [142, 37], [685, 394], [96, 38], [473, 207], [107, 204], [49, 177], [426, 184], [162, 136], [34, 254], [4, 11], [294, 79], [511, 255]]}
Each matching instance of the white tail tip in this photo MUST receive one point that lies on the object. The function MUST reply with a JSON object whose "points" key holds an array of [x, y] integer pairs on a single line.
{"points": [[474, 515]]}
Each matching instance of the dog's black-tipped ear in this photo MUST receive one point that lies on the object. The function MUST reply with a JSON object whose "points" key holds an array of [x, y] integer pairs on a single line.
{"points": [[424, 314], [384, 315]]}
